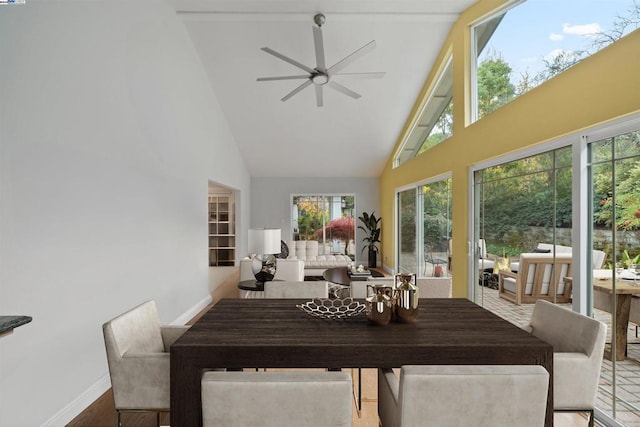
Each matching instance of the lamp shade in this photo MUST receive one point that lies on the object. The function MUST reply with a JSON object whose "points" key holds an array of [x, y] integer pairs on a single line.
{"points": [[264, 241]]}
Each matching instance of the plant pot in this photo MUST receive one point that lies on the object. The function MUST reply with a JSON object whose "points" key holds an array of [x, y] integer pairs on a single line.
{"points": [[373, 258]]}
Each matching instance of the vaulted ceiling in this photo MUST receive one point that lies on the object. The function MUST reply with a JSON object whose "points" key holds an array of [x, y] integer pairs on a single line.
{"points": [[345, 137]]}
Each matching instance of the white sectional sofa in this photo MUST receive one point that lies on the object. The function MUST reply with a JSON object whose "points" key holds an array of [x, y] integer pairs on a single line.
{"points": [[315, 263]]}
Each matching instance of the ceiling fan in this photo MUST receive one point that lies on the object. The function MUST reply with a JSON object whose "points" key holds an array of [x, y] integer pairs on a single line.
{"points": [[322, 76]]}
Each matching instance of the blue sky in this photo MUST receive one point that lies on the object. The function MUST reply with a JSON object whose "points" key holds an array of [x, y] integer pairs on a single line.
{"points": [[537, 28]]}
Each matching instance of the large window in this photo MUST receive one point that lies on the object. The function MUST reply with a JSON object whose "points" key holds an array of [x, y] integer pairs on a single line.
{"points": [[326, 218], [527, 43], [435, 122]]}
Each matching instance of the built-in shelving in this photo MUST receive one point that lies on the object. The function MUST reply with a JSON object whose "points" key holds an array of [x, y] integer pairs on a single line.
{"points": [[222, 237]]}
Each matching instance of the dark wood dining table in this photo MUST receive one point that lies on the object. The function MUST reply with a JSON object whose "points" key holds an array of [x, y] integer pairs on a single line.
{"points": [[249, 333]]}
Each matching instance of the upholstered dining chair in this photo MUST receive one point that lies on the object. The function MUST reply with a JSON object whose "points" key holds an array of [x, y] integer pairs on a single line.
{"points": [[434, 287], [274, 399], [463, 395], [578, 346], [308, 289], [138, 356]]}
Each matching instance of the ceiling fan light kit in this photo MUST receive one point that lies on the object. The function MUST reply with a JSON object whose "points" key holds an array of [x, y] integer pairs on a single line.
{"points": [[322, 76]]}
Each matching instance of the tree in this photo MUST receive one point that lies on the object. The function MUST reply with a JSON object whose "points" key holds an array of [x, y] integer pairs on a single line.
{"points": [[494, 86], [622, 25]]}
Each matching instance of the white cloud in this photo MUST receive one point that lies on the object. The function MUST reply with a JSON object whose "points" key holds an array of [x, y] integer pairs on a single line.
{"points": [[555, 53], [556, 37], [588, 30]]}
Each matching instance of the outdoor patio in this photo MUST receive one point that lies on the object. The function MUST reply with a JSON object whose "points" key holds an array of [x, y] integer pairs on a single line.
{"points": [[627, 371]]}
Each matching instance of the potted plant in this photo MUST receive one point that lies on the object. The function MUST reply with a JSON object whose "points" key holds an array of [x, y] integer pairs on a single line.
{"points": [[372, 228]]}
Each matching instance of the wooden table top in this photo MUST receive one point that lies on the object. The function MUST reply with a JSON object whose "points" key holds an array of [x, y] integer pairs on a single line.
{"points": [[273, 333], [606, 285], [257, 332]]}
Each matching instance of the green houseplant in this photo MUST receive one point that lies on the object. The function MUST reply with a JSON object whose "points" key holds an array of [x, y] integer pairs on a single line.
{"points": [[372, 228]]}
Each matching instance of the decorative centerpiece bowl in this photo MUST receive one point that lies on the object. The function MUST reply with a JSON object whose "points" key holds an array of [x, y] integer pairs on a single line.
{"points": [[326, 308]]}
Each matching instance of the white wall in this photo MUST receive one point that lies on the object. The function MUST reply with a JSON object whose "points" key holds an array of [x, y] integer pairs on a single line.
{"points": [[109, 133], [271, 201]]}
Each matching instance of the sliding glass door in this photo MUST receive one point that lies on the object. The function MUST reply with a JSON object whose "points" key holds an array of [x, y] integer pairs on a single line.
{"points": [[522, 207], [614, 176], [424, 229]]}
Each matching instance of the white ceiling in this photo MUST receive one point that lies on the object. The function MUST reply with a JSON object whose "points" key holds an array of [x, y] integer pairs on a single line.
{"points": [[346, 137]]}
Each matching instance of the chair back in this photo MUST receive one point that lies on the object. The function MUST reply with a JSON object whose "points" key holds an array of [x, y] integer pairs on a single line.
{"points": [[274, 399], [542, 274], [138, 363], [286, 269], [567, 331], [305, 289], [578, 345], [434, 287], [491, 395], [136, 331]]}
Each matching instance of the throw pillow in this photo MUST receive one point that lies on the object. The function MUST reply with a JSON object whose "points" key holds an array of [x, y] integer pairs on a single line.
{"points": [[501, 264]]}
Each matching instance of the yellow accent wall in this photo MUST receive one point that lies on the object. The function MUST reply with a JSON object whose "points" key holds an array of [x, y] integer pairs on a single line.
{"points": [[601, 88]]}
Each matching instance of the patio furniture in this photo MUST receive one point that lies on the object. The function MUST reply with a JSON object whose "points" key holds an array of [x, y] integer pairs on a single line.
{"points": [[627, 306], [540, 276], [597, 257], [578, 346], [429, 258], [138, 355], [274, 399], [454, 395]]}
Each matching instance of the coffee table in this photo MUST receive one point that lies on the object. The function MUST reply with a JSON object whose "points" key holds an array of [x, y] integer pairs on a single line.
{"points": [[340, 276]]}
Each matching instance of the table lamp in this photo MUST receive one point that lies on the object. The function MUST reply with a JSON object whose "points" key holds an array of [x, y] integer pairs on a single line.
{"points": [[264, 243]]}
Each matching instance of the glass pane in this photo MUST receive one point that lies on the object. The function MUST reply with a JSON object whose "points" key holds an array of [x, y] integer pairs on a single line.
{"points": [[436, 208], [524, 209], [407, 255], [435, 123], [615, 183], [329, 219], [528, 44]]}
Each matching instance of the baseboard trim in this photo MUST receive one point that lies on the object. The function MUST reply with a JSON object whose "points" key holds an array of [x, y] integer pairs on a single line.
{"points": [[90, 395], [192, 312], [79, 404]]}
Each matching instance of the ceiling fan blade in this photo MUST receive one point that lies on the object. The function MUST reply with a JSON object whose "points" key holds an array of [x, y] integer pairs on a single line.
{"points": [[319, 95], [352, 57], [372, 75], [345, 90], [289, 60], [319, 45], [268, 79], [296, 90]]}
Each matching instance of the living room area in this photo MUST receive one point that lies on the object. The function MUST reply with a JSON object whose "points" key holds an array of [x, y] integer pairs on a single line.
{"points": [[116, 121]]}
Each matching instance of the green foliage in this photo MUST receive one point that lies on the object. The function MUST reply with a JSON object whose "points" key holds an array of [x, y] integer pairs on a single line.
{"points": [[372, 228], [494, 86]]}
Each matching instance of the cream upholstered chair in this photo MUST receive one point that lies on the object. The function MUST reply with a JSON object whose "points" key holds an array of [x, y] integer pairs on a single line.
{"points": [[434, 287], [308, 289], [463, 395], [270, 399], [138, 355], [578, 346], [540, 276]]}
